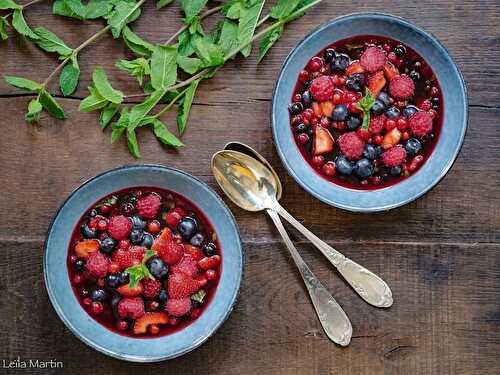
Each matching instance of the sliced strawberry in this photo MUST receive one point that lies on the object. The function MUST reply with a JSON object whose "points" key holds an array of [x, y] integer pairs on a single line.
{"points": [[209, 262], [85, 247], [141, 324], [355, 67], [187, 265], [317, 109], [323, 141], [391, 139], [171, 252], [181, 285], [326, 108], [124, 290], [390, 71], [161, 241], [376, 83], [193, 252]]}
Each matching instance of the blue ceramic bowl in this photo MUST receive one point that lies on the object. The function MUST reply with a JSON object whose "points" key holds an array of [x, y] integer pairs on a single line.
{"points": [[449, 142], [82, 324]]}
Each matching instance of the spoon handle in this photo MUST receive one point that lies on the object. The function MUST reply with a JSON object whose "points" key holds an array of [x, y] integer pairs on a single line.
{"points": [[331, 316], [369, 286]]}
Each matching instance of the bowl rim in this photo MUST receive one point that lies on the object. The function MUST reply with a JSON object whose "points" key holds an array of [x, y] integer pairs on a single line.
{"points": [[384, 207], [139, 358]]}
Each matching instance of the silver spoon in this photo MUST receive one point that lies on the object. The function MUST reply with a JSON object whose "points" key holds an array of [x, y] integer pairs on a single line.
{"points": [[333, 319], [252, 186]]}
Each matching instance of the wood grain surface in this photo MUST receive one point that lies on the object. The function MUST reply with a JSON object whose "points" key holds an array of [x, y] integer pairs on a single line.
{"points": [[440, 254]]}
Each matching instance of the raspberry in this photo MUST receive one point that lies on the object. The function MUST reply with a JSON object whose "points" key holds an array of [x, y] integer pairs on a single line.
{"points": [[394, 156], [171, 252], [178, 307], [148, 206], [351, 145], [402, 87], [97, 264], [373, 59], [187, 266], [421, 123], [377, 124], [322, 88], [119, 227], [151, 288], [132, 308]]}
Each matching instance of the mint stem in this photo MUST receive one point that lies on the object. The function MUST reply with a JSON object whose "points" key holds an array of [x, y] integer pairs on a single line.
{"points": [[31, 3]]}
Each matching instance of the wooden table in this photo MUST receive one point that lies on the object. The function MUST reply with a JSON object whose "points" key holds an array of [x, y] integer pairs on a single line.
{"points": [[440, 254]]}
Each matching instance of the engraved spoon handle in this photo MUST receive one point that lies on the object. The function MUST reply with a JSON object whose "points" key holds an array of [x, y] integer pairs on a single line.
{"points": [[331, 316], [369, 286]]}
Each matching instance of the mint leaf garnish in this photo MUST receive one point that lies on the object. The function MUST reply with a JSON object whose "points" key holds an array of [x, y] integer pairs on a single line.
{"points": [[140, 271], [365, 104]]}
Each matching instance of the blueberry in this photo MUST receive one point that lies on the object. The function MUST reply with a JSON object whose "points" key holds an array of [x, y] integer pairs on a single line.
{"points": [[363, 168], [399, 50], [395, 171], [147, 240], [306, 98], [115, 300], [415, 75], [384, 98], [123, 278], [409, 111], [157, 268], [340, 63], [112, 280], [187, 227], [137, 222], [413, 146], [162, 296], [372, 152], [79, 265], [339, 112], [210, 249], [87, 232], [301, 128], [356, 82], [435, 101], [329, 54], [98, 295], [295, 108], [392, 112], [353, 122], [136, 236], [343, 166], [127, 208], [107, 245], [378, 107], [197, 240]]}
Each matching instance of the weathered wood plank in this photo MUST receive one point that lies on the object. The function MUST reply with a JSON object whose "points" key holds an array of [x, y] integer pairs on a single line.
{"points": [[445, 319]]}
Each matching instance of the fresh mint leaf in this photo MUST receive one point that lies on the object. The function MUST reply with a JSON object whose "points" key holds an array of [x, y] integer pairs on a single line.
{"points": [[140, 271], [137, 45], [122, 14], [20, 25], [138, 111], [51, 105], [98, 8], [120, 126], [185, 107], [268, 41], [189, 64], [186, 43], [132, 143], [61, 8], [34, 110], [232, 9], [161, 3], [9, 4], [195, 26], [199, 296], [164, 135], [365, 104], [23, 83], [3, 26], [104, 88], [93, 101], [249, 17], [50, 42], [284, 8], [191, 8], [210, 53], [228, 38], [163, 66], [107, 114], [69, 77], [137, 68]]}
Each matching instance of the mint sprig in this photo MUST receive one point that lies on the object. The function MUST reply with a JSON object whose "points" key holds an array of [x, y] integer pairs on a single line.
{"points": [[365, 104], [140, 271]]}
